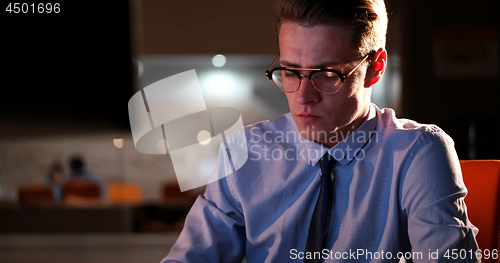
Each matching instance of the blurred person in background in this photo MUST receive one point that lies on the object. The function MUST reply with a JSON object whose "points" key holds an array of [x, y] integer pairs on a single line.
{"points": [[79, 173], [55, 180]]}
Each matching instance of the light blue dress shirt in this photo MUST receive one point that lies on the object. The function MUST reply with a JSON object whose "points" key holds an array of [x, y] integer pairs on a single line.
{"points": [[398, 192]]}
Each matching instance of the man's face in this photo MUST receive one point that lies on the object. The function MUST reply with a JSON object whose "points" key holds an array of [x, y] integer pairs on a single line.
{"points": [[319, 116]]}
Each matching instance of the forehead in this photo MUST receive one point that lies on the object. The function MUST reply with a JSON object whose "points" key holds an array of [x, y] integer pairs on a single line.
{"points": [[312, 45]]}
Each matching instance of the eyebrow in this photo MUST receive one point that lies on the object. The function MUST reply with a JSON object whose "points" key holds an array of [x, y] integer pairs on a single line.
{"points": [[321, 65]]}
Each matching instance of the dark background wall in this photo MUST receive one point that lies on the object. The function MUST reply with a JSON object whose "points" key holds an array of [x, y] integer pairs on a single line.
{"points": [[204, 27], [466, 107], [69, 66]]}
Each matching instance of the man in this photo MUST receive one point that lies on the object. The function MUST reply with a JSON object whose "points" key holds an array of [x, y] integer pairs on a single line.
{"points": [[392, 187], [79, 174]]}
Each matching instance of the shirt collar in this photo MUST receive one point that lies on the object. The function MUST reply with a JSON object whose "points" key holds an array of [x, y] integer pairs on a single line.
{"points": [[350, 147], [353, 146]]}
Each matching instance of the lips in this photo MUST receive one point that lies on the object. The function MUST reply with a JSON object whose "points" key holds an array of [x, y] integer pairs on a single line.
{"points": [[308, 117]]}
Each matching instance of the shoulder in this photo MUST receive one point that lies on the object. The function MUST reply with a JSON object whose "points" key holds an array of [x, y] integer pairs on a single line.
{"points": [[246, 147], [425, 152], [268, 133], [406, 131], [92, 177]]}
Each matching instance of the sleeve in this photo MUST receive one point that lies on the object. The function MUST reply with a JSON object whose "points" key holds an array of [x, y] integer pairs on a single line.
{"points": [[432, 196], [214, 230]]}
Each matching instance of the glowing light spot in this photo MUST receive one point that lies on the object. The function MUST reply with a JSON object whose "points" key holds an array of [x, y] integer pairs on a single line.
{"points": [[204, 137], [219, 60], [162, 146], [223, 84], [118, 143]]}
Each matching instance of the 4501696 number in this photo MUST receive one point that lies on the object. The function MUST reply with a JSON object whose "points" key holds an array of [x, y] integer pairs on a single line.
{"points": [[471, 254], [26, 8]]}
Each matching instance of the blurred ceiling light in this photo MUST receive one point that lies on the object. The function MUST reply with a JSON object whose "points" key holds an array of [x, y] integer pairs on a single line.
{"points": [[225, 85], [118, 143], [219, 60], [204, 137]]}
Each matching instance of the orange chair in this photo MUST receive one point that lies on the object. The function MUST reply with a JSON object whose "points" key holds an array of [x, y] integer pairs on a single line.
{"points": [[124, 193], [482, 179], [82, 188], [33, 194]]}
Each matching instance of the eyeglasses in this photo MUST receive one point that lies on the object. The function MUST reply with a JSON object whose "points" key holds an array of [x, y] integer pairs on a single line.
{"points": [[327, 81]]}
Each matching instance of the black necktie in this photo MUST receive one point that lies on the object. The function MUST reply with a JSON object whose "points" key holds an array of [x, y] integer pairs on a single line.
{"points": [[320, 221]]}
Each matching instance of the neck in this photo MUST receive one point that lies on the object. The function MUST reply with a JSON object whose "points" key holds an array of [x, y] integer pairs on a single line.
{"points": [[340, 134]]}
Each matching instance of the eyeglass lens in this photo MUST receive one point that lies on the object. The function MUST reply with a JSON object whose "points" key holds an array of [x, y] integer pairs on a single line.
{"points": [[324, 81]]}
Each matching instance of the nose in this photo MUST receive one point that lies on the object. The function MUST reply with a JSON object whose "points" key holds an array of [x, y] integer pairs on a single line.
{"points": [[307, 93]]}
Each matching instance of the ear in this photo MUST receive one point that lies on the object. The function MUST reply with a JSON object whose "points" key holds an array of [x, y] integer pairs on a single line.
{"points": [[376, 68]]}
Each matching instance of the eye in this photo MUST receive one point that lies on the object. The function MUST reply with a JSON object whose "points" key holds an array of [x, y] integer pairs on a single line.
{"points": [[325, 80], [326, 76], [288, 74]]}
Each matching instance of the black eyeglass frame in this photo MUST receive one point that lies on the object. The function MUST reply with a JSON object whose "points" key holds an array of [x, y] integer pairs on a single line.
{"points": [[342, 76]]}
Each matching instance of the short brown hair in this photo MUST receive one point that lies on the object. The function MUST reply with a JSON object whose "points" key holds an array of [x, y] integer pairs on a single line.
{"points": [[367, 19]]}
